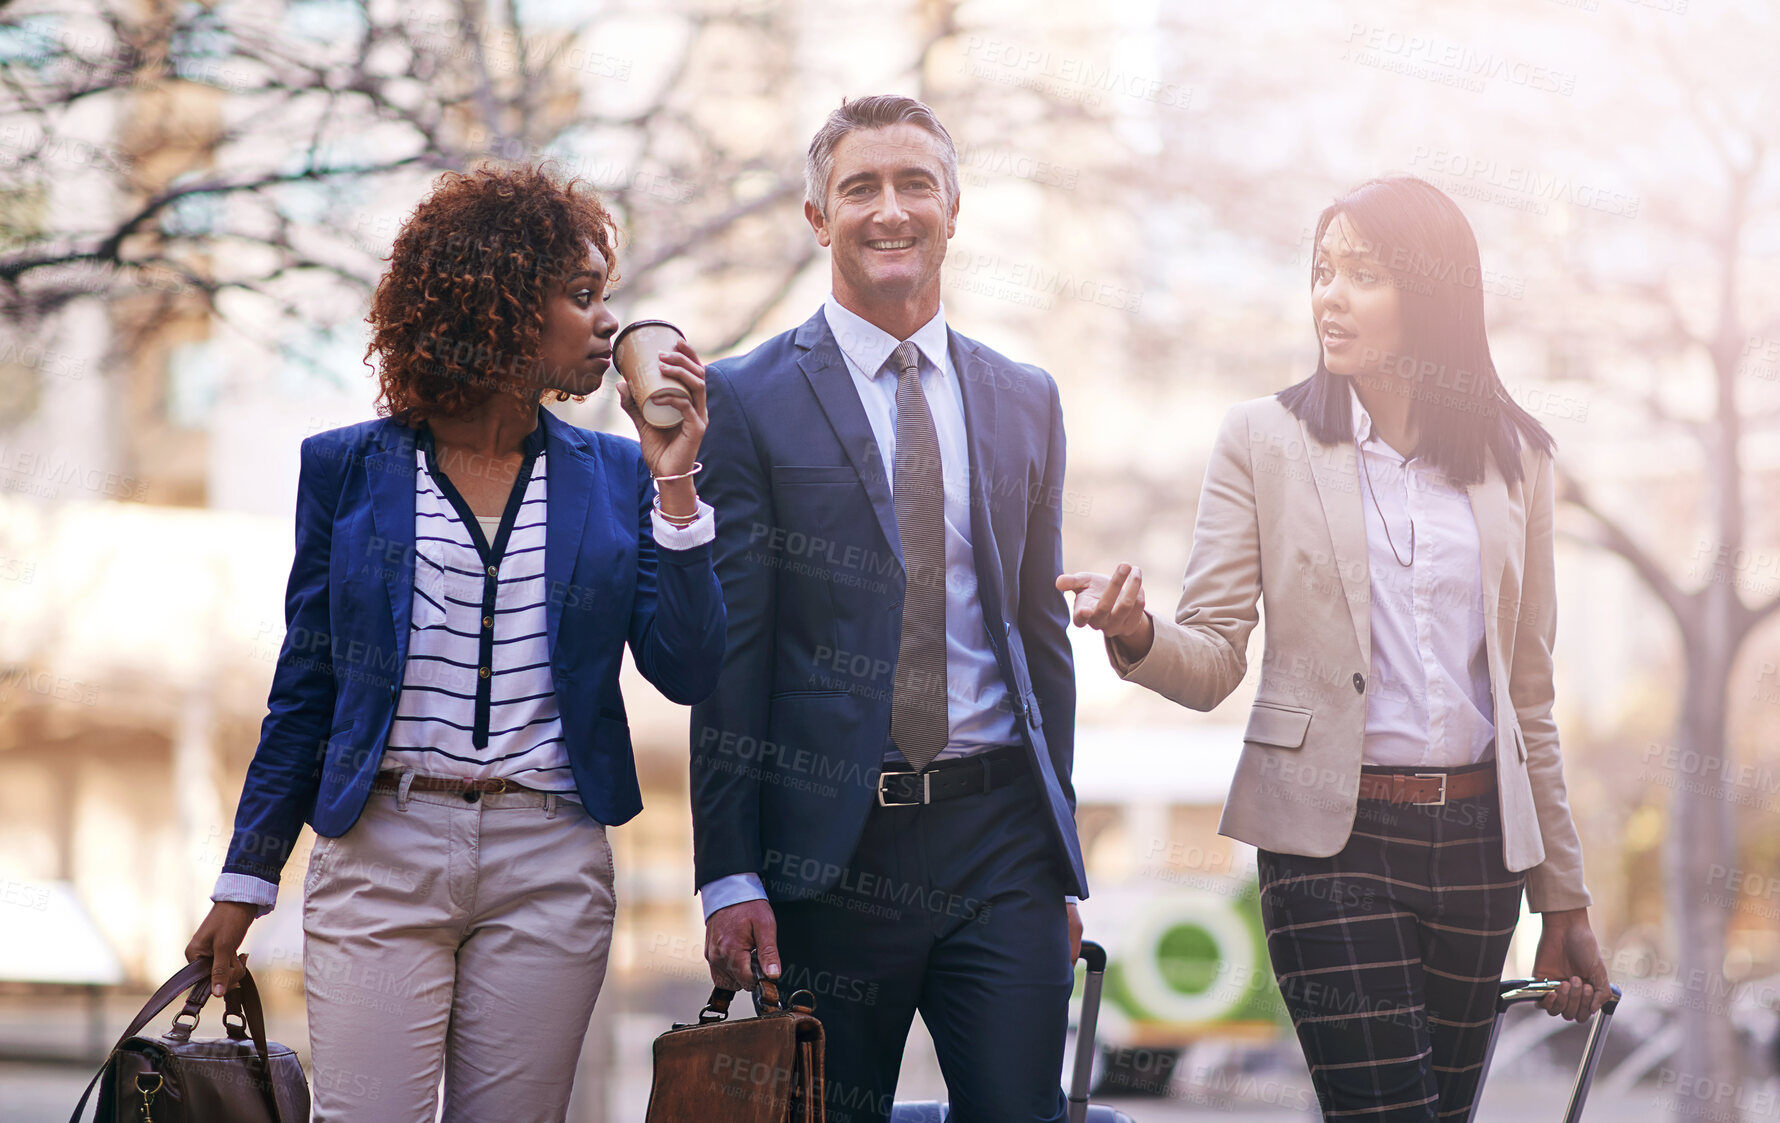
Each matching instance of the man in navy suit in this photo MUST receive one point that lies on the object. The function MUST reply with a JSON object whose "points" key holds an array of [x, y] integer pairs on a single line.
{"points": [[882, 805]]}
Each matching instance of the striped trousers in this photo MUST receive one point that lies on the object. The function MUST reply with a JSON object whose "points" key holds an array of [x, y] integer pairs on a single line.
{"points": [[1389, 952]]}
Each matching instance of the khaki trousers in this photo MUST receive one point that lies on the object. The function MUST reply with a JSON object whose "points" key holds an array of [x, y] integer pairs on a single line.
{"points": [[468, 939]]}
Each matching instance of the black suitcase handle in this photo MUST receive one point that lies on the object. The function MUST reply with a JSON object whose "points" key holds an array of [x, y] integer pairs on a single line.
{"points": [[1095, 956], [1516, 991]]}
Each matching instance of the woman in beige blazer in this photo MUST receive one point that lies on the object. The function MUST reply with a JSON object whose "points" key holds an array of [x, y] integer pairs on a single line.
{"points": [[1400, 774]]}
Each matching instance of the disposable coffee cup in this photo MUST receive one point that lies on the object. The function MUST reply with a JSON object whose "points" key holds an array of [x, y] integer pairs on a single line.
{"points": [[635, 351]]}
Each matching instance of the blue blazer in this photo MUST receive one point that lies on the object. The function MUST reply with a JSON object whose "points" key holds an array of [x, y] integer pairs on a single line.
{"points": [[786, 752], [347, 620]]}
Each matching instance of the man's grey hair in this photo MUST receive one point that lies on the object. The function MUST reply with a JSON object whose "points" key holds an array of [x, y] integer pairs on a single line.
{"points": [[875, 112]]}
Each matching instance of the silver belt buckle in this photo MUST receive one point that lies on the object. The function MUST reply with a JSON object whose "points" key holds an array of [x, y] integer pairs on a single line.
{"points": [[926, 790], [1437, 802]]}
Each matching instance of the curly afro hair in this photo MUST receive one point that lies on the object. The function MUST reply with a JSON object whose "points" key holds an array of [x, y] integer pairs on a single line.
{"points": [[458, 316]]}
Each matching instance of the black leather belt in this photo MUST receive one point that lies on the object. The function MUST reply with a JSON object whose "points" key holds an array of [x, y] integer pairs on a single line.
{"points": [[949, 779]]}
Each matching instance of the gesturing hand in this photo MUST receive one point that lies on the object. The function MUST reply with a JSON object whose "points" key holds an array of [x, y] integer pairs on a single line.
{"points": [[1114, 606]]}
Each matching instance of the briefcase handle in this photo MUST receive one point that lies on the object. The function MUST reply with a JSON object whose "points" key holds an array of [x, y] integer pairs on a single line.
{"points": [[195, 977], [766, 999]]}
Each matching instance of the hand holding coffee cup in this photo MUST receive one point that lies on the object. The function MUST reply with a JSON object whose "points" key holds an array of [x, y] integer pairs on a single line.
{"points": [[638, 351], [653, 361]]}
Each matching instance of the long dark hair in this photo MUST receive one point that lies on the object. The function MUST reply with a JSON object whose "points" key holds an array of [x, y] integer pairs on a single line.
{"points": [[1459, 408]]}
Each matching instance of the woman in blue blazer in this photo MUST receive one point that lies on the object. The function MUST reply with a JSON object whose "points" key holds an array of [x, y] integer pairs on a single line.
{"points": [[445, 709]]}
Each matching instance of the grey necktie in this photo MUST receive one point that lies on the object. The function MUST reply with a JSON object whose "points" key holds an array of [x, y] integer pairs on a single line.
{"points": [[918, 704]]}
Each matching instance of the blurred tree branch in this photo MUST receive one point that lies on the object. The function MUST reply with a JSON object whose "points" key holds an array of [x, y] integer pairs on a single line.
{"points": [[252, 142]]}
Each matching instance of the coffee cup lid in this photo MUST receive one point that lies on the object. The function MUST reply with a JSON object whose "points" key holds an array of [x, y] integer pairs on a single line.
{"points": [[634, 324]]}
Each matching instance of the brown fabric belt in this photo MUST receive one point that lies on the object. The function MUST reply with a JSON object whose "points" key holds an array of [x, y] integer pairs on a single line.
{"points": [[1425, 787], [390, 780]]}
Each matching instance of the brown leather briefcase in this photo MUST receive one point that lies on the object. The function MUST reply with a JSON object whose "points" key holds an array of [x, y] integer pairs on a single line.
{"points": [[765, 1069]]}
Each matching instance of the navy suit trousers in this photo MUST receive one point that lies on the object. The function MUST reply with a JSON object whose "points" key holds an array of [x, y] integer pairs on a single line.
{"points": [[954, 909]]}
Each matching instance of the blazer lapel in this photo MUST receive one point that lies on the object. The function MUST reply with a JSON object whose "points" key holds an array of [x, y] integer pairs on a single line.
{"points": [[829, 379], [982, 419], [390, 476], [1338, 488], [1489, 507], [572, 477]]}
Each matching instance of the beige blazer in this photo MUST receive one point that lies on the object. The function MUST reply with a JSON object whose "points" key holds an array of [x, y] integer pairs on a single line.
{"points": [[1280, 521]]}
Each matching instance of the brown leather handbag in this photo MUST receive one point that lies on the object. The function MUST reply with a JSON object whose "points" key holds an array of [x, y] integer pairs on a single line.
{"points": [[764, 1069], [242, 1078]]}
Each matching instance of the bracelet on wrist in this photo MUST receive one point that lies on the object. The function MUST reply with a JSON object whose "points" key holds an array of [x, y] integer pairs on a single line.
{"points": [[696, 468], [680, 522]]}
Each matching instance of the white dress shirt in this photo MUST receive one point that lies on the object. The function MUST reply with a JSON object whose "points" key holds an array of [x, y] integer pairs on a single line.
{"points": [[1428, 696], [979, 711]]}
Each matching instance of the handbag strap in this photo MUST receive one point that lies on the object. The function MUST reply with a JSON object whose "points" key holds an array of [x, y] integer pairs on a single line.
{"points": [[256, 1026], [190, 977], [192, 973]]}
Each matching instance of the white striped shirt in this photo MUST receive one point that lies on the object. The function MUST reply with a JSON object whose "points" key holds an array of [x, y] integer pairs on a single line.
{"points": [[478, 699]]}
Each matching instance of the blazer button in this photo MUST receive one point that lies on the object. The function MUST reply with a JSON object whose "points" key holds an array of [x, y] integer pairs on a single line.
{"points": [[1359, 683], [394, 689]]}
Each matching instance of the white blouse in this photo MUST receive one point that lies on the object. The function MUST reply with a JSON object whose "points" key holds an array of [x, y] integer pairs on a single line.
{"points": [[1428, 695]]}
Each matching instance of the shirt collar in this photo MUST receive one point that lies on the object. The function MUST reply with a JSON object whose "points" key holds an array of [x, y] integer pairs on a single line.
{"points": [[869, 346], [1362, 419]]}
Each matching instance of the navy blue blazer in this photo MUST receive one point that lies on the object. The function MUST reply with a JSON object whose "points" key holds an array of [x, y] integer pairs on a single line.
{"points": [[347, 620], [786, 752]]}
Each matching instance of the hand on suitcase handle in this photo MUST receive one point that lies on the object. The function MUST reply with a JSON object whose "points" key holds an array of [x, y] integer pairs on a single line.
{"points": [[1569, 955], [1535, 990]]}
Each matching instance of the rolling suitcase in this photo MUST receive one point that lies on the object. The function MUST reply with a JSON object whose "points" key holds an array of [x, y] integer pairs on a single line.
{"points": [[1080, 1111], [1515, 991]]}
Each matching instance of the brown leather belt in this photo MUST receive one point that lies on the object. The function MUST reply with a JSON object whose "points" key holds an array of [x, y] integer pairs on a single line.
{"points": [[1425, 788], [390, 780]]}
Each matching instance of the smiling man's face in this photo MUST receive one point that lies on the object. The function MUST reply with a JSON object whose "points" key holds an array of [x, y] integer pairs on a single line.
{"points": [[888, 216]]}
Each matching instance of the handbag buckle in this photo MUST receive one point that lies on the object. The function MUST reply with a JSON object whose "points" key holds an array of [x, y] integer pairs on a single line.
{"points": [[884, 799], [1437, 801]]}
